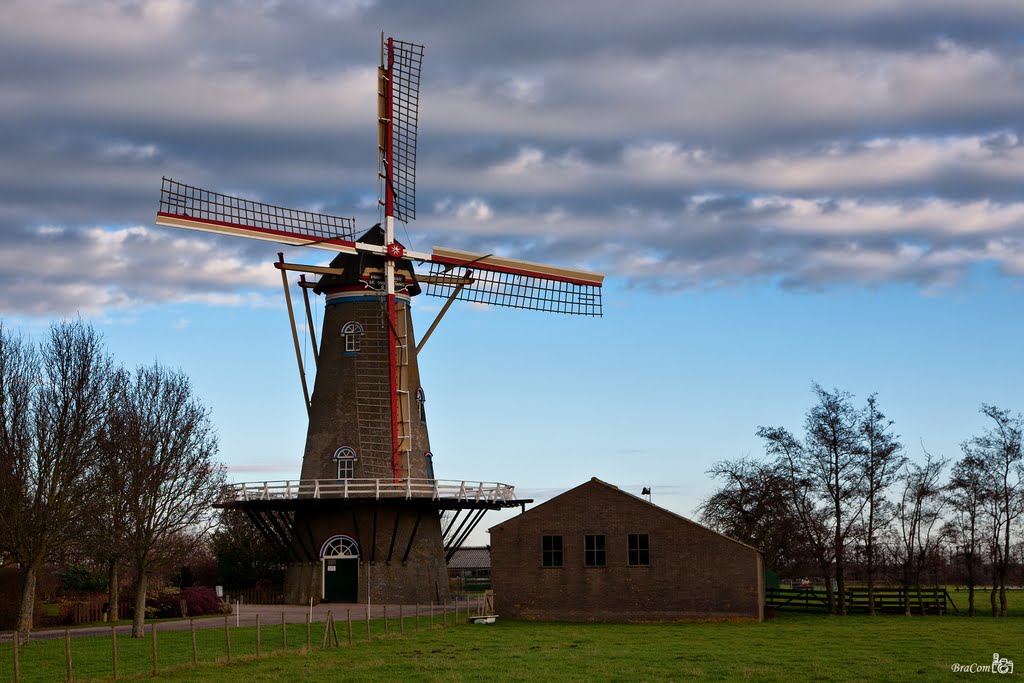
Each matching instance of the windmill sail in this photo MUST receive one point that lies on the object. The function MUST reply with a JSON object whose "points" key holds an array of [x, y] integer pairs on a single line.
{"points": [[399, 103], [185, 206], [513, 283]]}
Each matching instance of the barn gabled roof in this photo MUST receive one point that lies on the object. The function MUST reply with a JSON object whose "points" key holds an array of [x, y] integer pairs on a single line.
{"points": [[595, 482], [471, 558]]}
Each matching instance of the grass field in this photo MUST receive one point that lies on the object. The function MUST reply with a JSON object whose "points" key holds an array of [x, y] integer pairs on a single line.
{"points": [[790, 648]]}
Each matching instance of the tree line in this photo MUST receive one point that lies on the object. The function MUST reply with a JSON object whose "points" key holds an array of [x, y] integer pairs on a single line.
{"points": [[844, 497], [100, 462]]}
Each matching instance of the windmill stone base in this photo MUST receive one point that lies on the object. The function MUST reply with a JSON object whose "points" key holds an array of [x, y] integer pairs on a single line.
{"points": [[401, 556]]}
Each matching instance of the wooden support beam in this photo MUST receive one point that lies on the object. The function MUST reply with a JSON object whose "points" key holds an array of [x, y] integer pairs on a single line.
{"points": [[309, 320], [373, 548], [302, 268], [394, 534], [295, 333], [444, 309], [412, 536], [270, 535]]}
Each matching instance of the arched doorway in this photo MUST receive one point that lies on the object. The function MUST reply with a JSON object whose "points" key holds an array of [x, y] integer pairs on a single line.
{"points": [[340, 559]]}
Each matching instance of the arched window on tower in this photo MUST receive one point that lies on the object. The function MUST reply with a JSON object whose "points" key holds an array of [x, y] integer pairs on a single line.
{"points": [[430, 466], [346, 458], [421, 398], [352, 333]]}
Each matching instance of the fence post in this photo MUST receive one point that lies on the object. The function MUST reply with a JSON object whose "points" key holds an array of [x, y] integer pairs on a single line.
{"points": [[307, 633], [257, 634], [227, 636], [195, 651], [385, 619], [368, 623], [17, 664], [113, 646], [349, 627], [325, 641], [153, 631], [284, 633], [67, 654]]}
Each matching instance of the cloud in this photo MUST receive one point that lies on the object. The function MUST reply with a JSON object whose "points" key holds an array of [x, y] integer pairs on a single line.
{"points": [[57, 270], [681, 144]]}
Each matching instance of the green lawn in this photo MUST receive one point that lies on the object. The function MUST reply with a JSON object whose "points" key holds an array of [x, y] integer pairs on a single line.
{"points": [[792, 647]]}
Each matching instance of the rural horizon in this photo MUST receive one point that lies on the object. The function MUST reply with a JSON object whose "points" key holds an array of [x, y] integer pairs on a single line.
{"points": [[727, 291]]}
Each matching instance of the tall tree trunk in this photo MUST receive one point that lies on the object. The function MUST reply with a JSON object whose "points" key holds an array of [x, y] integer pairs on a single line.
{"points": [[995, 584], [871, 584], [841, 590], [1004, 566], [830, 594], [138, 619], [906, 591], [869, 556], [970, 584], [113, 592], [28, 602]]}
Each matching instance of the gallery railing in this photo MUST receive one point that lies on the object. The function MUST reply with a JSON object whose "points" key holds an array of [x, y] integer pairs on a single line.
{"points": [[436, 489]]}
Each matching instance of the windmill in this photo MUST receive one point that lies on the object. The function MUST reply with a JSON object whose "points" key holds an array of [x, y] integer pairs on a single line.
{"points": [[368, 518]]}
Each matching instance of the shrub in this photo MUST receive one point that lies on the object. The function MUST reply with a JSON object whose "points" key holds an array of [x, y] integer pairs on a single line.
{"points": [[202, 600]]}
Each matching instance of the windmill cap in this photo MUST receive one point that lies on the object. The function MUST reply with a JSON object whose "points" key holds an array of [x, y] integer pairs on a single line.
{"points": [[355, 264]]}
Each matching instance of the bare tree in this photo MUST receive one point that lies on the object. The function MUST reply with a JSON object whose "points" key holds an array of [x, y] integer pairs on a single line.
{"points": [[966, 495], [805, 501], [999, 447], [109, 510], [53, 398], [166, 451], [824, 474], [918, 514], [753, 506], [881, 458]]}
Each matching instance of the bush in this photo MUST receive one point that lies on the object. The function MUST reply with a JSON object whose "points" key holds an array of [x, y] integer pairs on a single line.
{"points": [[202, 600], [199, 600]]}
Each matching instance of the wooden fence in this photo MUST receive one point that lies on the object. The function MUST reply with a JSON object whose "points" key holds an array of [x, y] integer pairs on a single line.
{"points": [[934, 600], [89, 611], [255, 596]]}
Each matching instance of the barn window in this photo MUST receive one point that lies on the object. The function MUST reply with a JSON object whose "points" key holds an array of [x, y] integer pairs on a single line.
{"points": [[551, 551], [346, 458], [639, 550], [352, 333], [594, 550]]}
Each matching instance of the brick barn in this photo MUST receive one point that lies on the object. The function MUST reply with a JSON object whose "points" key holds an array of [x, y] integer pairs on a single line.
{"points": [[596, 553]]}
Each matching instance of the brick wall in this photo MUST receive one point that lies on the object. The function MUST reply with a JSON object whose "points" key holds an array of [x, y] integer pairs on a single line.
{"points": [[694, 573]]}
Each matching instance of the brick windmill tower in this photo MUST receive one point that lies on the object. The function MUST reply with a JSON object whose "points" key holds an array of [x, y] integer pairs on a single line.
{"points": [[368, 519]]}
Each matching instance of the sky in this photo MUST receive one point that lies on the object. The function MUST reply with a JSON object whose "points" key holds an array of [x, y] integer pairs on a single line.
{"points": [[779, 193]]}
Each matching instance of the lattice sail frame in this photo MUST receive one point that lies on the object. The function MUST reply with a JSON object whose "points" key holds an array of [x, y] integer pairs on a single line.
{"points": [[196, 206], [514, 290], [402, 66]]}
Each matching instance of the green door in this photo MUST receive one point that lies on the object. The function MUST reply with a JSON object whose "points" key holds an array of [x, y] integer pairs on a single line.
{"points": [[341, 579]]}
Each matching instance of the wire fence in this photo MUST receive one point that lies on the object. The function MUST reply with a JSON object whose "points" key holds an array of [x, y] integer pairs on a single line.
{"points": [[109, 652]]}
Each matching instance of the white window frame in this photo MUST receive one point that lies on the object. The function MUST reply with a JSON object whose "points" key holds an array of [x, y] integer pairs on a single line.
{"points": [[352, 331], [346, 457]]}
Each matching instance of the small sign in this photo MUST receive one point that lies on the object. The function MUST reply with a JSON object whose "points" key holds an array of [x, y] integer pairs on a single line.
{"points": [[331, 567], [375, 281]]}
